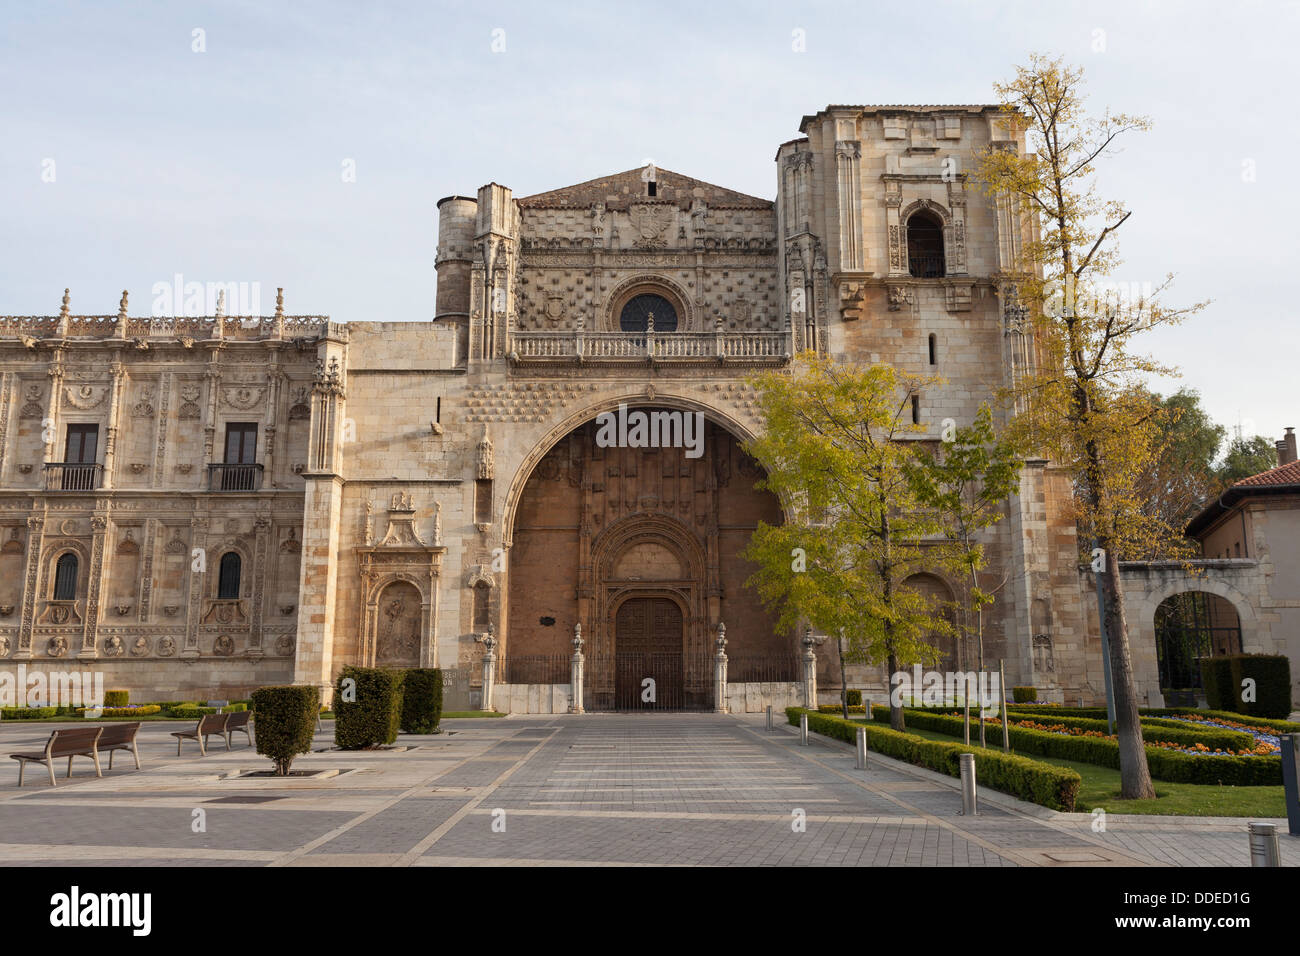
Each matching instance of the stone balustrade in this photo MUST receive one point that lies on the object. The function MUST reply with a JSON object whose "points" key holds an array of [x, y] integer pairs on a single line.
{"points": [[748, 347]]}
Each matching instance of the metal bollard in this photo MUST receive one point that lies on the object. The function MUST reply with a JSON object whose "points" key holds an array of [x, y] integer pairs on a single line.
{"points": [[967, 762], [803, 729], [1263, 845], [1290, 744], [769, 718], [862, 748]]}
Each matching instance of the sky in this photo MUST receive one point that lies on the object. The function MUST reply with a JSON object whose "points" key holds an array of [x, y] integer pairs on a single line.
{"points": [[305, 145]]}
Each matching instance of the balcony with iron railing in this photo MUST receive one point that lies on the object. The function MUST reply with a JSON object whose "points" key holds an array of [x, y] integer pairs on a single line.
{"points": [[745, 348], [228, 477], [73, 476], [926, 266]]}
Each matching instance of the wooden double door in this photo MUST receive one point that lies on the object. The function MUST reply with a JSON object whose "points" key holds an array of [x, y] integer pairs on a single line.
{"points": [[649, 667]]}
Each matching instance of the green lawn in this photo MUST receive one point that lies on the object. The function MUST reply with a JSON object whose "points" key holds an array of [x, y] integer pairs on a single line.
{"points": [[1100, 788]]}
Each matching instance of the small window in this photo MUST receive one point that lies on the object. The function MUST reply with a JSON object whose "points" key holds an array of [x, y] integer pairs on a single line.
{"points": [[65, 578], [228, 579], [481, 606], [916, 409], [1238, 546], [650, 188], [934, 350]]}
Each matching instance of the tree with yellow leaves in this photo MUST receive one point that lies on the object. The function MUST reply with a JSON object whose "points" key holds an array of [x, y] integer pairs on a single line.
{"points": [[1083, 400]]}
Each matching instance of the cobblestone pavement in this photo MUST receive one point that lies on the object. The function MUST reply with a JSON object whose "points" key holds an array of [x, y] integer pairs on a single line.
{"points": [[670, 789]]}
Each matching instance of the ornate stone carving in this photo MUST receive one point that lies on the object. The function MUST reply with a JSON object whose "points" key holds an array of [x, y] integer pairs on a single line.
{"points": [[4, 643], [242, 397], [189, 410], [57, 646], [141, 647], [223, 646], [291, 544], [284, 645], [486, 460], [650, 224], [897, 297], [32, 407], [144, 407], [15, 543], [166, 646], [113, 647], [85, 396], [175, 545]]}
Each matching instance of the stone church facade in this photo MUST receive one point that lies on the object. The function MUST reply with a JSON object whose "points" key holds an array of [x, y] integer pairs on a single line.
{"points": [[202, 505]]}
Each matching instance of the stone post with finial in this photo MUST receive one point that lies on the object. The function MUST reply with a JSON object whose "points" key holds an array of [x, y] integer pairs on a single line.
{"points": [[575, 672], [489, 666], [121, 317], [279, 313], [219, 323], [809, 670], [650, 335], [720, 671]]}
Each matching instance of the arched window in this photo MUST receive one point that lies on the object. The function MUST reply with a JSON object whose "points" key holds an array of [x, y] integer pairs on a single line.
{"points": [[228, 578], [635, 316], [481, 606], [65, 578], [925, 245]]}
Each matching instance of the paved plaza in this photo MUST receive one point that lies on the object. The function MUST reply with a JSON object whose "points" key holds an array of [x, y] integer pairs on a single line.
{"points": [[670, 789]]}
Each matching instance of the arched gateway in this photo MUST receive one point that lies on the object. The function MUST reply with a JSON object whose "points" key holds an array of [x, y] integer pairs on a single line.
{"points": [[642, 546]]}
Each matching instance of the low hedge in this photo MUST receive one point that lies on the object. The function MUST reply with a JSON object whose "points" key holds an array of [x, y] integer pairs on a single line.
{"points": [[146, 710], [1154, 728], [286, 722], [421, 700], [190, 711], [1048, 786], [372, 715], [28, 713], [1169, 765], [839, 709], [116, 698]]}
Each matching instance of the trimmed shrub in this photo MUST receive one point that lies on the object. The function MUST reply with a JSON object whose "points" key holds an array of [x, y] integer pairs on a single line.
{"points": [[838, 709], [190, 711], [421, 700], [1170, 765], [116, 698], [1044, 784], [1272, 676], [854, 697], [1216, 678], [28, 713], [286, 721], [1024, 695], [234, 708], [367, 707]]}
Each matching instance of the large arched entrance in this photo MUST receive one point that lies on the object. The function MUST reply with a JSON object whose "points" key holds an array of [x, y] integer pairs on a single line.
{"points": [[1191, 625], [642, 546]]}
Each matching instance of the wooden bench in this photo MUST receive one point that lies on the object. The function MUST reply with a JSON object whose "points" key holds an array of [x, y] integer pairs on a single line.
{"points": [[241, 721], [117, 737], [212, 724], [78, 742]]}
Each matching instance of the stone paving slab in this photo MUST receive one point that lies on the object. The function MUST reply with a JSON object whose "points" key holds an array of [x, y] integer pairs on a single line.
{"points": [[628, 790]]}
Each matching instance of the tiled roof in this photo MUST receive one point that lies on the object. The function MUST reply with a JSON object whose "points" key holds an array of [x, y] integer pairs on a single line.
{"points": [[1281, 475]]}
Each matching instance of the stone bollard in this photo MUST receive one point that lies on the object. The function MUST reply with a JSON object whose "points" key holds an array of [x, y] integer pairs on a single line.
{"points": [[1263, 845], [967, 762], [769, 718], [862, 748], [575, 672], [803, 729]]}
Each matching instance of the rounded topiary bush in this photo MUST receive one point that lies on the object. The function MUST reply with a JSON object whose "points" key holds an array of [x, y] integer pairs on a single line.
{"points": [[117, 698], [367, 707], [421, 700], [286, 721]]}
